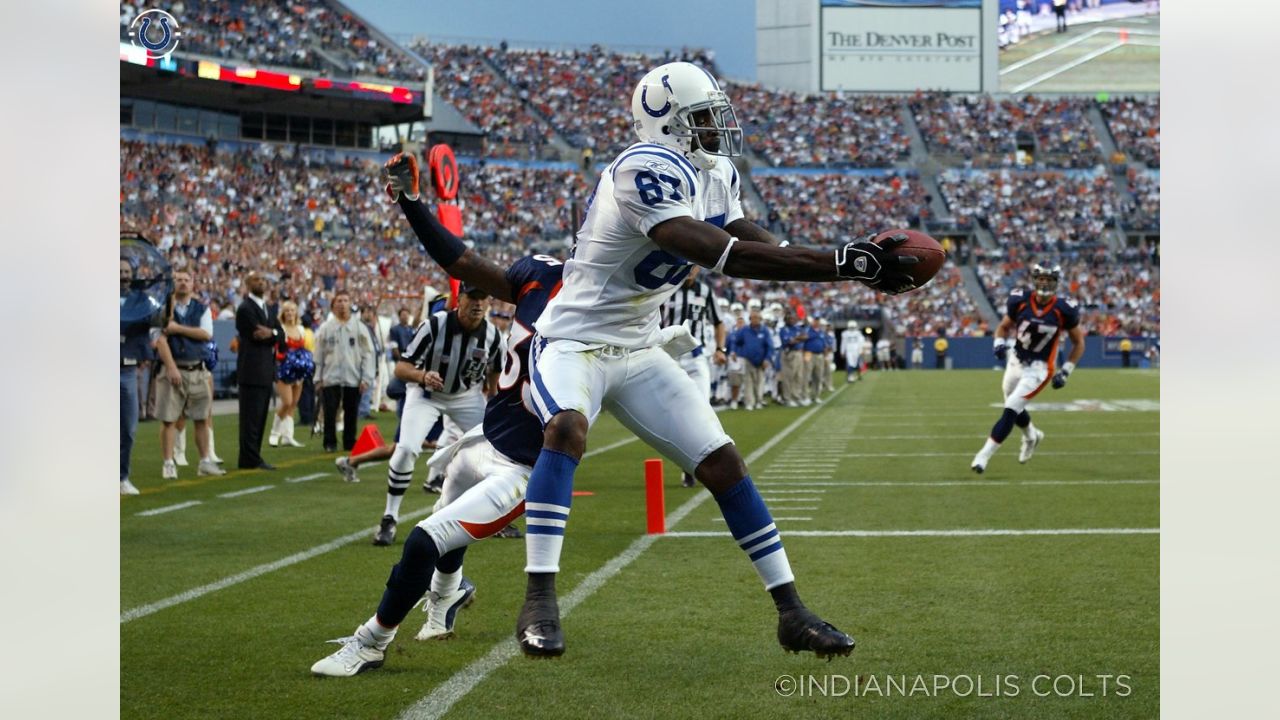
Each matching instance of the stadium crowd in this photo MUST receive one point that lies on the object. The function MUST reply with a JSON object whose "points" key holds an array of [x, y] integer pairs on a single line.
{"points": [[1041, 211], [290, 33], [580, 91], [824, 209], [1119, 293], [821, 129], [982, 131], [1142, 212], [466, 80], [1135, 125], [312, 224]]}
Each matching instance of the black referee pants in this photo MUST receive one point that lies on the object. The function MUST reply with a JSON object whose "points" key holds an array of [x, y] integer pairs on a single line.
{"points": [[350, 399]]}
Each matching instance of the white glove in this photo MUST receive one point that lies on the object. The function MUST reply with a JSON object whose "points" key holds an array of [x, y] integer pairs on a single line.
{"points": [[676, 340]]}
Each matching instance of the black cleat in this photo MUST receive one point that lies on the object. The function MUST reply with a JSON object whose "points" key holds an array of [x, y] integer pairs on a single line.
{"points": [[978, 468], [538, 628], [434, 485], [799, 630], [687, 481], [386, 531], [510, 531]]}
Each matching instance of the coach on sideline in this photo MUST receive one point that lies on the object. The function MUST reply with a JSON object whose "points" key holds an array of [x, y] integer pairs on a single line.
{"points": [[256, 369]]}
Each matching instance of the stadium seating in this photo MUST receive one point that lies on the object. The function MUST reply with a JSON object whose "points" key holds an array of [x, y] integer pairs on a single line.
{"points": [[981, 131], [316, 225], [828, 208], [585, 94], [1143, 211], [821, 130], [1119, 294], [1040, 211], [466, 80], [1135, 125], [309, 34]]}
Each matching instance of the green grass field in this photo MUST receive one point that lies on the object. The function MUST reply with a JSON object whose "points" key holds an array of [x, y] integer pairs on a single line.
{"points": [[1088, 58], [227, 603]]}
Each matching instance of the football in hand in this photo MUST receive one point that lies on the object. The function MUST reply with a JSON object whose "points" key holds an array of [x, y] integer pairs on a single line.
{"points": [[931, 254]]}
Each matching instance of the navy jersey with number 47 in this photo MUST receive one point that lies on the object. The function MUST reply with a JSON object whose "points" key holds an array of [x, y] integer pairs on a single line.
{"points": [[1039, 326], [510, 424]]}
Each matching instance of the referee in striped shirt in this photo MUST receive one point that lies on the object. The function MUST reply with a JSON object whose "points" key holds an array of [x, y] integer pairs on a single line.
{"points": [[693, 304], [451, 363]]}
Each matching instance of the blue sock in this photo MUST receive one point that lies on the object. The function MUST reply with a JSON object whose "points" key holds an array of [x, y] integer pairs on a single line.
{"points": [[547, 510], [752, 527], [1004, 425], [409, 579]]}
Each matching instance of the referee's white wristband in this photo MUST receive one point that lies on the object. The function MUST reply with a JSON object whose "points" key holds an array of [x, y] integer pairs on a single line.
{"points": [[724, 256]]}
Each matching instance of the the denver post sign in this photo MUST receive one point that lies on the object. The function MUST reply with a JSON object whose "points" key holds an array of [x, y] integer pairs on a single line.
{"points": [[903, 48]]}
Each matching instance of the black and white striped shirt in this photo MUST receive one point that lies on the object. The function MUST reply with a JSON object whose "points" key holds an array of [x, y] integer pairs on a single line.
{"points": [[462, 359], [696, 306]]}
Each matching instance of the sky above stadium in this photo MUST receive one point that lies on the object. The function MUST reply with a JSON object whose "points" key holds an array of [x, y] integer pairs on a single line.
{"points": [[725, 26]]}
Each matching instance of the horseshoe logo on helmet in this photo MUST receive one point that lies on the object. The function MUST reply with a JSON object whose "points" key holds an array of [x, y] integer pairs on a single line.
{"points": [[666, 106]]}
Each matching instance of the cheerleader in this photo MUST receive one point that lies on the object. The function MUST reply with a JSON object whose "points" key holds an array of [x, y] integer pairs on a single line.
{"points": [[294, 363]]}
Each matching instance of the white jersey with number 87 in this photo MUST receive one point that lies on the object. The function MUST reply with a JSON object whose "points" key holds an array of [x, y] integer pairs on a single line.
{"points": [[618, 278]]}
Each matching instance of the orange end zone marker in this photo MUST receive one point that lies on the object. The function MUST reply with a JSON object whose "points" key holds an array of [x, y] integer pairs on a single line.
{"points": [[583, 493], [656, 506]]}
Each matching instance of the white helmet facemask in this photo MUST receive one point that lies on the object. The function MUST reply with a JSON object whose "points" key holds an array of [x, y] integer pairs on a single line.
{"points": [[682, 106]]}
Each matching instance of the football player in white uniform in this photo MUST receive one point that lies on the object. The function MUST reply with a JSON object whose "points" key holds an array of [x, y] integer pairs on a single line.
{"points": [[663, 204]]}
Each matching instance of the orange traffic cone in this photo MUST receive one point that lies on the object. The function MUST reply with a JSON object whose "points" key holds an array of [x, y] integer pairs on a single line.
{"points": [[370, 439]]}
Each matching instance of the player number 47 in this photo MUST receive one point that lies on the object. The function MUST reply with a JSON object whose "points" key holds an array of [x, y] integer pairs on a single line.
{"points": [[1027, 339]]}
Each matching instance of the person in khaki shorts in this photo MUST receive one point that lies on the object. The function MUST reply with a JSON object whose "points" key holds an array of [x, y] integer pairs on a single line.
{"points": [[185, 388]]}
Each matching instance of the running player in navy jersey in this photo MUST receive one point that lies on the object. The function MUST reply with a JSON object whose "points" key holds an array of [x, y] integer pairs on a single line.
{"points": [[487, 470], [1032, 326]]}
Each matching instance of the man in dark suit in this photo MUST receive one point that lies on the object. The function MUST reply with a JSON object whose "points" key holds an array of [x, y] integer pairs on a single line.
{"points": [[259, 331]]}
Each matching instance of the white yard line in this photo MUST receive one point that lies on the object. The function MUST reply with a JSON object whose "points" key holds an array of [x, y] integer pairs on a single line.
{"points": [[169, 508], [307, 478], [1041, 453], [776, 519], [448, 693], [933, 533], [1063, 46], [1073, 64], [260, 570], [980, 437], [942, 483], [246, 491], [251, 573]]}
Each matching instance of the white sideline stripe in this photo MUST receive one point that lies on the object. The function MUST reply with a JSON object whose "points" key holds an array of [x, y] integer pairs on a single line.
{"points": [[440, 700], [247, 491], [980, 437], [782, 500], [800, 492], [931, 533], [306, 478], [962, 454], [947, 483], [1057, 48], [1073, 64], [169, 508], [251, 573], [792, 519]]}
